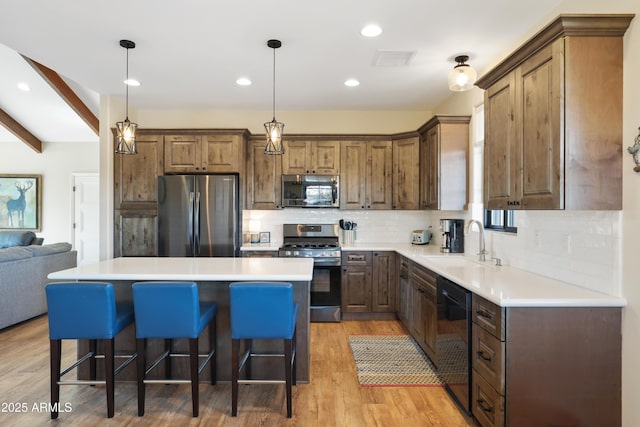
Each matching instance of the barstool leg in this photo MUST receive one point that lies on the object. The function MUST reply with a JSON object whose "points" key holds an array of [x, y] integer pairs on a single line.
{"points": [[235, 363], [108, 374], [248, 347], [213, 346], [55, 354], [167, 360], [193, 362], [93, 349], [141, 344], [294, 356], [288, 373]]}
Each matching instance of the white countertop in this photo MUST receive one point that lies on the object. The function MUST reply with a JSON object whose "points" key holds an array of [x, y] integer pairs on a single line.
{"points": [[196, 269], [506, 286]]}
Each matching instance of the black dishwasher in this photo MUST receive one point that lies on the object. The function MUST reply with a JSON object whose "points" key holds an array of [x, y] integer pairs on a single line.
{"points": [[453, 346]]}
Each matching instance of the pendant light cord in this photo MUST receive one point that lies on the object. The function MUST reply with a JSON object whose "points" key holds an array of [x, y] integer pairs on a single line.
{"points": [[274, 84], [126, 83]]}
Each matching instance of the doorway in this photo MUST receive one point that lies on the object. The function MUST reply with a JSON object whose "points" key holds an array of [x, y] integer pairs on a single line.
{"points": [[86, 217]]}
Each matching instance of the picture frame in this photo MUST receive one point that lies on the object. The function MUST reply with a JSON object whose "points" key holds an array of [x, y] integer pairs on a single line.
{"points": [[20, 202], [265, 237]]}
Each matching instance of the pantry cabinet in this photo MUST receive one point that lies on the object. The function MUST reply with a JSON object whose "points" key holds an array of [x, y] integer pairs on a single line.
{"points": [[406, 173], [366, 178], [444, 162], [263, 177], [311, 157], [553, 118], [135, 197]]}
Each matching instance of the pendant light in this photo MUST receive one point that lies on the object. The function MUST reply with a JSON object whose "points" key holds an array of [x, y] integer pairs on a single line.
{"points": [[462, 77], [127, 129], [274, 128]]}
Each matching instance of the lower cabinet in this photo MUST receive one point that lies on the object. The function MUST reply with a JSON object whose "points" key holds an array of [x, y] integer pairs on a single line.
{"points": [[423, 313], [368, 282], [537, 366], [136, 233]]}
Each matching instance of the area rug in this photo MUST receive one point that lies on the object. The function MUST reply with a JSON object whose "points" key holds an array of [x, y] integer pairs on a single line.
{"points": [[392, 360]]}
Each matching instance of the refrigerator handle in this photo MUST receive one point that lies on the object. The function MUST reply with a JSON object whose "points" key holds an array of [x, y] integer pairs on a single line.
{"points": [[196, 228], [191, 197]]}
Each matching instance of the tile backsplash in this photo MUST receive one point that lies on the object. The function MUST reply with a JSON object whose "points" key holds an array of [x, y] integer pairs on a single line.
{"points": [[578, 247]]}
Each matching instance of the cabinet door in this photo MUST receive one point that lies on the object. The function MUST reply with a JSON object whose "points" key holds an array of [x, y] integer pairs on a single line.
{"points": [[541, 145], [136, 233], [501, 157], [221, 153], [379, 175], [406, 173], [353, 157], [417, 321], [356, 289], [263, 177], [136, 176], [296, 157], [430, 170], [431, 323], [325, 157], [383, 282], [182, 153]]}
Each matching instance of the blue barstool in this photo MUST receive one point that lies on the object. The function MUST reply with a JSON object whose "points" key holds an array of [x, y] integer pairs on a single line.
{"points": [[171, 310], [262, 311], [85, 311]]}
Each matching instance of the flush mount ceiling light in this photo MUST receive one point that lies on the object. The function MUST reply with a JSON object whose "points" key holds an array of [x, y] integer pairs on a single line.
{"points": [[462, 77], [351, 83], [127, 129], [371, 31], [243, 81], [24, 87], [274, 128]]}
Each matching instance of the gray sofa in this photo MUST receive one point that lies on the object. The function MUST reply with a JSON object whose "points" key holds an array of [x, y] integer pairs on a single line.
{"points": [[24, 265]]}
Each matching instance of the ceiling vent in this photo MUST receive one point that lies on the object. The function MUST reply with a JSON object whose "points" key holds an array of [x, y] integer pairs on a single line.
{"points": [[390, 58]]}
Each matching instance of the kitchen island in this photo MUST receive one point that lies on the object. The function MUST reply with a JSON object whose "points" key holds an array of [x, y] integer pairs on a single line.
{"points": [[213, 276]]}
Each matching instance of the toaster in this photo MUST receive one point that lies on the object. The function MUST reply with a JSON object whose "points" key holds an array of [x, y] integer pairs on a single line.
{"points": [[420, 237]]}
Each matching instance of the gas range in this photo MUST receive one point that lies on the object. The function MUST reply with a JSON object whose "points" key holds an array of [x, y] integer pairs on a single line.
{"points": [[317, 241]]}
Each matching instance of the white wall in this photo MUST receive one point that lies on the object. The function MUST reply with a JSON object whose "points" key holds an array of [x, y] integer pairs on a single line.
{"points": [[56, 163]]}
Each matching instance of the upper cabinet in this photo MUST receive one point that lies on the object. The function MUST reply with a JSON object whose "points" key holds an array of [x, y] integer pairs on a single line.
{"points": [[366, 178], [202, 153], [311, 157], [263, 177], [553, 118], [406, 173], [444, 163]]}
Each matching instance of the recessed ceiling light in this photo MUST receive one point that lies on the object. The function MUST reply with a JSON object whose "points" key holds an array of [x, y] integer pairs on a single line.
{"points": [[243, 81], [132, 82], [371, 31], [23, 86], [351, 82]]}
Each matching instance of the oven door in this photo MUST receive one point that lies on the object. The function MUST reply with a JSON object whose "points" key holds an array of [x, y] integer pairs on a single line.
{"points": [[325, 293]]}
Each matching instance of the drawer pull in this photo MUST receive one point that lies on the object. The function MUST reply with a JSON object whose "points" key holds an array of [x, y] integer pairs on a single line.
{"points": [[484, 313], [356, 257], [483, 357], [481, 404]]}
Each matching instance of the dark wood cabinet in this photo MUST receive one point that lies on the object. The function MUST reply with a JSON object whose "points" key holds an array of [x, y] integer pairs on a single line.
{"points": [[553, 118], [311, 157], [424, 314], [366, 178], [406, 173], [204, 153], [383, 282], [368, 282]]}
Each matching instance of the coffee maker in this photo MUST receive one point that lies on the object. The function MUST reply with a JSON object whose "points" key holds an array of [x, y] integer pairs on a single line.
{"points": [[452, 235]]}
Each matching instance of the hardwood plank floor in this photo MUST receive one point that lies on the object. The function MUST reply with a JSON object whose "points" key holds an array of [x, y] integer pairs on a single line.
{"points": [[333, 398]]}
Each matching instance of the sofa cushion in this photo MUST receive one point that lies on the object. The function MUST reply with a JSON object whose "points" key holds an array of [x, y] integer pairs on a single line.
{"points": [[16, 238], [54, 248], [15, 253]]}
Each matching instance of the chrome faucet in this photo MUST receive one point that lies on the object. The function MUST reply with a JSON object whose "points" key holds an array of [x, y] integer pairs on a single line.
{"points": [[481, 250]]}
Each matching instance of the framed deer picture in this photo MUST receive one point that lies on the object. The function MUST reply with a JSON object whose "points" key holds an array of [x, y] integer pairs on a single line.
{"points": [[20, 202]]}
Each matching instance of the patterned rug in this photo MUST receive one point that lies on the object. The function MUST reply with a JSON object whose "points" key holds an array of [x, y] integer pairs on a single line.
{"points": [[392, 360]]}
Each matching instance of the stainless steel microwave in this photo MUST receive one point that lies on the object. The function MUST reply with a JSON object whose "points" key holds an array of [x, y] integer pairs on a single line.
{"points": [[310, 191]]}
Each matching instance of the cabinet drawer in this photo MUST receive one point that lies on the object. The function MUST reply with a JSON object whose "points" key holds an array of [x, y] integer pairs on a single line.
{"points": [[423, 275], [488, 316], [487, 357], [487, 405], [356, 258]]}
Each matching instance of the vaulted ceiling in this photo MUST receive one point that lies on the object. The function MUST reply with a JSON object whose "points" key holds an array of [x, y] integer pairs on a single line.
{"points": [[189, 54]]}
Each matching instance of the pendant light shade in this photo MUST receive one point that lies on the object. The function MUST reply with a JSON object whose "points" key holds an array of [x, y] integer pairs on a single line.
{"points": [[274, 128], [462, 77], [126, 129]]}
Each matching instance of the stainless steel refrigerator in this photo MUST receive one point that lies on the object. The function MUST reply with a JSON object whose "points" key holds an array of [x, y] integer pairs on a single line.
{"points": [[198, 215]]}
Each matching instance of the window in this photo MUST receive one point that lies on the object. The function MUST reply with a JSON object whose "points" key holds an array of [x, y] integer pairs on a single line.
{"points": [[500, 220]]}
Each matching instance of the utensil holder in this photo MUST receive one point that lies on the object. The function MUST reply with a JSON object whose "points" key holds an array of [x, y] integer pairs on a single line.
{"points": [[348, 237]]}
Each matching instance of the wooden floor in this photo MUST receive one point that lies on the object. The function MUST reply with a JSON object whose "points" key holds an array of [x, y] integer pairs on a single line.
{"points": [[333, 398]]}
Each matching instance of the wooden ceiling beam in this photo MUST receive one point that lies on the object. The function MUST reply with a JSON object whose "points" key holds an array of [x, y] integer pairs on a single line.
{"points": [[20, 132], [66, 93]]}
